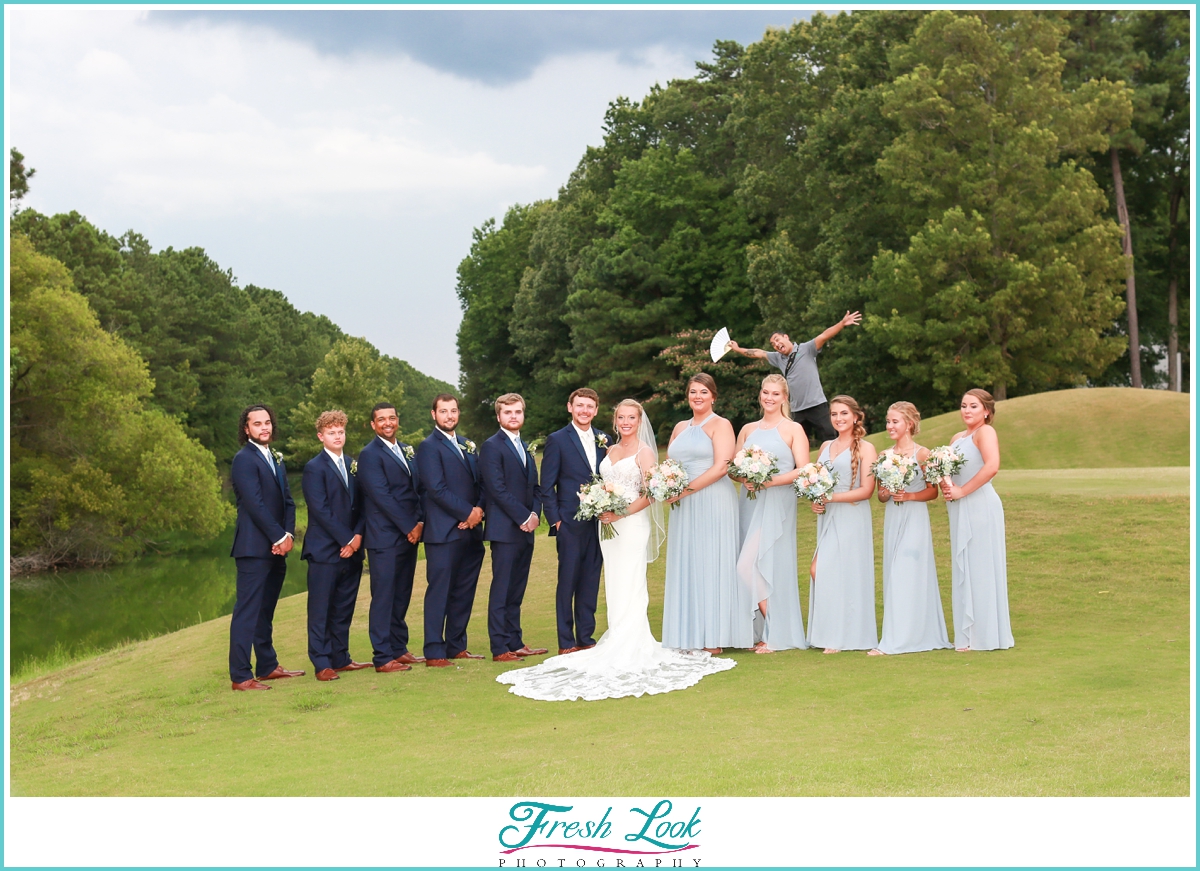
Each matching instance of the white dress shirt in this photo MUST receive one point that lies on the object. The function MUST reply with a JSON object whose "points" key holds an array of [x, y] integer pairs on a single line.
{"points": [[266, 452], [589, 445], [394, 449]]}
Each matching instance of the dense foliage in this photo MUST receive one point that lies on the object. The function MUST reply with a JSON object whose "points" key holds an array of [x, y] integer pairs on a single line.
{"points": [[211, 346], [944, 172]]}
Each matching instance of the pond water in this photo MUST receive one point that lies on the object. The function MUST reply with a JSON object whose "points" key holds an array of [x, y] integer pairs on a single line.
{"points": [[100, 608]]}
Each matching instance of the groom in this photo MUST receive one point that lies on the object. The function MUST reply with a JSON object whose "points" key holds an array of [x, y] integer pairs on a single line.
{"points": [[571, 457]]}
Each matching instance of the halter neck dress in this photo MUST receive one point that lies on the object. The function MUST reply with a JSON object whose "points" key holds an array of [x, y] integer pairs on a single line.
{"points": [[841, 601], [703, 603], [913, 619], [766, 565], [979, 569]]}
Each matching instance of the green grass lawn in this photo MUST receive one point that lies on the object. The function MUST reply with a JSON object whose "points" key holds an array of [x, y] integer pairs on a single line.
{"points": [[1093, 700]]}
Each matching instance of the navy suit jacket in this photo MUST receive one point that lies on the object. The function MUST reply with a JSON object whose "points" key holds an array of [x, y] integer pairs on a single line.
{"points": [[449, 489], [564, 470], [510, 488], [391, 495], [334, 509], [265, 510]]}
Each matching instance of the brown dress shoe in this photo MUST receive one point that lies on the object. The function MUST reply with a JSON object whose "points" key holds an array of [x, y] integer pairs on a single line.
{"points": [[563, 651], [251, 684], [531, 651], [410, 658], [353, 666], [437, 663], [507, 656], [281, 672], [587, 646], [327, 674], [394, 665], [466, 654]]}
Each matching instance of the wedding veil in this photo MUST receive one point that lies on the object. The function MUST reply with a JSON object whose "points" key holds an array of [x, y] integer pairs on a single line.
{"points": [[656, 510]]}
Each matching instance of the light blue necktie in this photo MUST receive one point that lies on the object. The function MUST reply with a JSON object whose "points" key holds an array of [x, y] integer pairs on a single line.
{"points": [[342, 469]]}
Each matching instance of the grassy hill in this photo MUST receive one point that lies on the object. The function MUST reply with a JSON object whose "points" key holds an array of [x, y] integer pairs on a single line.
{"points": [[1096, 428]]}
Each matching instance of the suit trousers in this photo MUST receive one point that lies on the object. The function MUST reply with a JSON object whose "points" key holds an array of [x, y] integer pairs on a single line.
{"points": [[392, 570], [510, 575], [452, 572], [259, 581], [815, 420], [579, 563], [332, 594]]}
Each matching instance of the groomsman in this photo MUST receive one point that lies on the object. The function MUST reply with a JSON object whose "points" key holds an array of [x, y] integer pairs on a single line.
{"points": [[453, 503], [393, 526], [509, 478], [571, 457], [265, 532], [333, 549]]}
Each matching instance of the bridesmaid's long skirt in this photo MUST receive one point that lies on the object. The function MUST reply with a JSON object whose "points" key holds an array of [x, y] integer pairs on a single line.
{"points": [[913, 619], [979, 591], [841, 603], [767, 567]]}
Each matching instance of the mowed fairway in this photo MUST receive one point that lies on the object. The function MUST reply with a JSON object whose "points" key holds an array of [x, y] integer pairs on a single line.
{"points": [[1092, 701]]}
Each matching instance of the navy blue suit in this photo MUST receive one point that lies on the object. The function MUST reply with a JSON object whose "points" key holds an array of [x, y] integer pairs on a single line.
{"points": [[510, 485], [564, 470], [449, 491], [334, 518], [265, 514], [391, 510]]}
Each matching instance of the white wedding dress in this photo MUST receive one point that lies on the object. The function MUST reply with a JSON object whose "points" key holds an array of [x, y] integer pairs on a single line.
{"points": [[626, 661]]}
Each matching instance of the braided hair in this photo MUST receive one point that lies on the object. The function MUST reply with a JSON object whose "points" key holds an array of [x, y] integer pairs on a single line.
{"points": [[857, 434]]}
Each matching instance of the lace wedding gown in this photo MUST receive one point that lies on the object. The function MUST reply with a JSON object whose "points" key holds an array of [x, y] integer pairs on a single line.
{"points": [[626, 661]]}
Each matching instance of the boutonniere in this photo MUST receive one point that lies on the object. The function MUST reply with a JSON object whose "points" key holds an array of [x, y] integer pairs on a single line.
{"points": [[409, 453], [602, 441], [532, 447], [354, 467], [278, 456], [469, 445]]}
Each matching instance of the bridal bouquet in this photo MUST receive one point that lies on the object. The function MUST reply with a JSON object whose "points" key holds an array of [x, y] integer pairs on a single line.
{"points": [[815, 482], [943, 462], [598, 496], [666, 481], [754, 466], [895, 471]]}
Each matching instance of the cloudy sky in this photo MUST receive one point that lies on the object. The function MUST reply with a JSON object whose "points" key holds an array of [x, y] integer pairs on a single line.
{"points": [[342, 157]]}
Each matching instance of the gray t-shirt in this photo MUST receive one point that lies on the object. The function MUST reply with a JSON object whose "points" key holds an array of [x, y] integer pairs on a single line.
{"points": [[804, 384]]}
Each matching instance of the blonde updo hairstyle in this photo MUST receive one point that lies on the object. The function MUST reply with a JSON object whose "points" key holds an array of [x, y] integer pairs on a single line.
{"points": [[858, 433], [776, 378], [909, 413], [631, 403], [985, 399]]}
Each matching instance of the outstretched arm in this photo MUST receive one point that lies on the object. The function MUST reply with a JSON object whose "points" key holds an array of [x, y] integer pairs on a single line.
{"points": [[757, 353], [851, 319]]}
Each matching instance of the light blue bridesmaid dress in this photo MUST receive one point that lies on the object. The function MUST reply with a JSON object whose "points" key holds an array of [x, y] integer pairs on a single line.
{"points": [[766, 566], [841, 601], [913, 619], [703, 603], [979, 571]]}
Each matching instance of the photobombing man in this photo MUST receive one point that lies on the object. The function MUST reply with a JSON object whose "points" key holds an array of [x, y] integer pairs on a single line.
{"points": [[798, 363], [262, 539]]}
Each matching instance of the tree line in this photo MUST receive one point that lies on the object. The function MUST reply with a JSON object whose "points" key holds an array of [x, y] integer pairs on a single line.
{"points": [[128, 371], [1002, 193]]}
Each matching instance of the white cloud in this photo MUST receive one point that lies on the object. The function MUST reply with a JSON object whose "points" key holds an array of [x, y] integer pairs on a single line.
{"points": [[350, 183]]}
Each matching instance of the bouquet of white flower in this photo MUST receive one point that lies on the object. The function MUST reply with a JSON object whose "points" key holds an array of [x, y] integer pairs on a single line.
{"points": [[598, 496], [815, 482], [754, 466], [943, 462], [895, 471], [666, 481]]}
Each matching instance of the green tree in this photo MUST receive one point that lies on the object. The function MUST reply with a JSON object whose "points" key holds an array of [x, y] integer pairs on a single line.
{"points": [[352, 378], [18, 180], [96, 475]]}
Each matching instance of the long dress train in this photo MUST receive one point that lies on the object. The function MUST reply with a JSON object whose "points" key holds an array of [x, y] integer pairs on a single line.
{"points": [[626, 661]]}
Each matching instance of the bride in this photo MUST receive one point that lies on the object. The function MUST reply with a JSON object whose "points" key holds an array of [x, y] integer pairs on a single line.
{"points": [[626, 661]]}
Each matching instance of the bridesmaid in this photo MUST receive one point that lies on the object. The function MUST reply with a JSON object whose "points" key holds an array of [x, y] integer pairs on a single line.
{"points": [[703, 604], [841, 601], [913, 619], [979, 572], [766, 565]]}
